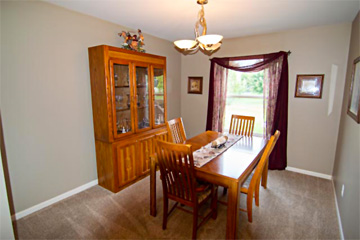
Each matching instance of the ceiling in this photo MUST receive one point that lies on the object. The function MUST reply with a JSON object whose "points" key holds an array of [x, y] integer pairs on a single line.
{"points": [[175, 19]]}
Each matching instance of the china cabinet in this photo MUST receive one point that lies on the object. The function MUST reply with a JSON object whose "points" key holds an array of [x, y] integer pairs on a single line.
{"points": [[129, 112]]}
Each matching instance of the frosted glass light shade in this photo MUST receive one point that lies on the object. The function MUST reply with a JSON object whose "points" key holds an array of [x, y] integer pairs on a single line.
{"points": [[185, 44], [209, 40]]}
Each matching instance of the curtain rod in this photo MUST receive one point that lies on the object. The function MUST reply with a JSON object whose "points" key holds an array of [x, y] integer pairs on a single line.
{"points": [[288, 53]]}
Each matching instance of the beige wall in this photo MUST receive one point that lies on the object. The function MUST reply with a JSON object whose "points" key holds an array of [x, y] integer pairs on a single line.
{"points": [[312, 132], [347, 161], [45, 95], [5, 217]]}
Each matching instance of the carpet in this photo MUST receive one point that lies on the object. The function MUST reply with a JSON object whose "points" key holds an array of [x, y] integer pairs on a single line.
{"points": [[294, 206]]}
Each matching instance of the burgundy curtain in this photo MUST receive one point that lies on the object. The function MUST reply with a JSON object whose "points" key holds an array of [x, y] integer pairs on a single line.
{"points": [[218, 89], [275, 66]]}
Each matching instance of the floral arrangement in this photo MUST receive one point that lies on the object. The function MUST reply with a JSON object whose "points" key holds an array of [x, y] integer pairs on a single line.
{"points": [[133, 42]]}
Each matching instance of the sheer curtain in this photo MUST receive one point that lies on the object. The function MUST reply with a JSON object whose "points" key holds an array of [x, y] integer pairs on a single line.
{"points": [[275, 68], [218, 90]]}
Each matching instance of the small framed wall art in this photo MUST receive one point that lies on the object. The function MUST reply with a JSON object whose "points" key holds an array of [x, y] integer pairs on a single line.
{"points": [[309, 85], [354, 96], [195, 85]]}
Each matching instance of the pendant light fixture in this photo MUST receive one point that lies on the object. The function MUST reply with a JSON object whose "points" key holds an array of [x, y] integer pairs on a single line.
{"points": [[206, 42]]}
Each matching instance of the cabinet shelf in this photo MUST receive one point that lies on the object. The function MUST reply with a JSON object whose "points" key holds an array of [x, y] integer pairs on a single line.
{"points": [[120, 132], [142, 107], [122, 109], [123, 86]]}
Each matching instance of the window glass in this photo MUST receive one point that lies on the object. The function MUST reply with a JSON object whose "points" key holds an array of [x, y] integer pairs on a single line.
{"points": [[245, 97]]}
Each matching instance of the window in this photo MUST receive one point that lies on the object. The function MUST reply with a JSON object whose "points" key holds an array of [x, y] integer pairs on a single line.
{"points": [[245, 97]]}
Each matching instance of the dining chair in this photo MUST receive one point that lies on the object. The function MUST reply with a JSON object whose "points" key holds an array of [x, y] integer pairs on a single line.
{"points": [[242, 125], [175, 128], [252, 184], [179, 184]]}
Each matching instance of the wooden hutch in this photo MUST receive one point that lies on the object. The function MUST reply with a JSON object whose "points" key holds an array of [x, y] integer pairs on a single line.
{"points": [[129, 111]]}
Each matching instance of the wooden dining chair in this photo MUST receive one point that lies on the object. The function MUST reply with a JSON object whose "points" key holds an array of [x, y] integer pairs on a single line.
{"points": [[179, 183], [242, 125], [175, 128], [251, 186]]}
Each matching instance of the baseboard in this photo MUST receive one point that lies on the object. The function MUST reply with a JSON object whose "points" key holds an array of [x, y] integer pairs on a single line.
{"points": [[338, 213], [306, 172], [55, 199]]}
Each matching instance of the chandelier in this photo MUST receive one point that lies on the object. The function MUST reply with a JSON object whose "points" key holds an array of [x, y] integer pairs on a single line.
{"points": [[206, 42]]}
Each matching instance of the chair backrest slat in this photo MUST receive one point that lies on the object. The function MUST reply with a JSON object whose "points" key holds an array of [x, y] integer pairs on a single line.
{"points": [[177, 170], [176, 130], [242, 125]]}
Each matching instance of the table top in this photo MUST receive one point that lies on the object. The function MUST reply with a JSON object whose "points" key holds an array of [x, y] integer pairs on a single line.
{"points": [[236, 162]]}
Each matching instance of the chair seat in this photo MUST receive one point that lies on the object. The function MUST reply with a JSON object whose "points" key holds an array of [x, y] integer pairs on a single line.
{"points": [[203, 190], [203, 195]]}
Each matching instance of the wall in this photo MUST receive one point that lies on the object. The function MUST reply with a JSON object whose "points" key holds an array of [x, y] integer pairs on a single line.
{"points": [[347, 161], [312, 132], [46, 99], [6, 228]]}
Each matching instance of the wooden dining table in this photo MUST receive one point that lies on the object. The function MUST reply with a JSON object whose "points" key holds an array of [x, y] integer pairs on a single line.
{"points": [[230, 169]]}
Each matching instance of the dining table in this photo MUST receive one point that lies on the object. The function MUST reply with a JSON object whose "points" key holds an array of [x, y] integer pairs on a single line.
{"points": [[230, 169]]}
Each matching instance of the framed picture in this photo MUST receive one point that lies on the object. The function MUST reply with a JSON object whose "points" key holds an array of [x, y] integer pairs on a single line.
{"points": [[195, 85], [354, 99], [309, 86]]}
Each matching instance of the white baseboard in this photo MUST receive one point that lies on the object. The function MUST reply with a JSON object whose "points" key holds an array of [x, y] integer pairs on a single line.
{"points": [[338, 213], [306, 172], [54, 200]]}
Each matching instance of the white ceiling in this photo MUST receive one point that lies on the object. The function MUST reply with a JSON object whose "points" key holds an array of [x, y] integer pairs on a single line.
{"points": [[175, 19]]}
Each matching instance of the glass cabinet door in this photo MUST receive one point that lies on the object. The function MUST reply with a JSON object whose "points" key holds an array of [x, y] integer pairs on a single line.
{"points": [[159, 96], [142, 97], [120, 75]]}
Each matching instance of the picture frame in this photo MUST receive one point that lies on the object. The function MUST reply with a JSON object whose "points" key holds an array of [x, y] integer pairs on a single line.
{"points": [[195, 85], [309, 85], [354, 97]]}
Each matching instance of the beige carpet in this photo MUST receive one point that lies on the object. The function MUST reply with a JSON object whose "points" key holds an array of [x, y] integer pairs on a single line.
{"points": [[294, 206]]}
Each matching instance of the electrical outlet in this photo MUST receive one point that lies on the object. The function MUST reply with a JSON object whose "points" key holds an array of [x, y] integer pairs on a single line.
{"points": [[342, 190]]}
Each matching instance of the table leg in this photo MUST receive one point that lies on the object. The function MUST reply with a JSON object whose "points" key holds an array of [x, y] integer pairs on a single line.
{"points": [[232, 210], [265, 174], [152, 187]]}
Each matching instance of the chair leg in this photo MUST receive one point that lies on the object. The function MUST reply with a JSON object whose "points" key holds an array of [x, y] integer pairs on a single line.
{"points": [[249, 205], [257, 198], [195, 218], [257, 189], [265, 175], [165, 215], [214, 203]]}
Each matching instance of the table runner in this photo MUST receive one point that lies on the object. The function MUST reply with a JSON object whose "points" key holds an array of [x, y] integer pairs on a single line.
{"points": [[207, 153]]}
